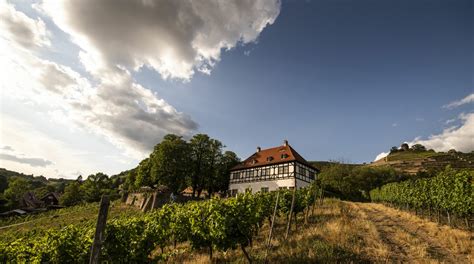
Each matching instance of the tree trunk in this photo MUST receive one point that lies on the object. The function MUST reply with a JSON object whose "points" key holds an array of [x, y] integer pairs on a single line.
{"points": [[246, 254], [449, 218], [210, 253]]}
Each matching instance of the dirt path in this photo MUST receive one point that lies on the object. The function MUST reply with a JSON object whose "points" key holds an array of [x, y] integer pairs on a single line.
{"points": [[408, 238]]}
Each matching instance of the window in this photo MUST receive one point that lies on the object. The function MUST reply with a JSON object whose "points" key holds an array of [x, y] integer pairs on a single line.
{"points": [[284, 156], [282, 188], [280, 170], [269, 158], [234, 192], [264, 189], [291, 187]]}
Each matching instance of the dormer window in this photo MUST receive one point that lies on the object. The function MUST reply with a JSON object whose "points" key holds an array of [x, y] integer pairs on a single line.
{"points": [[269, 158], [254, 161], [284, 156]]}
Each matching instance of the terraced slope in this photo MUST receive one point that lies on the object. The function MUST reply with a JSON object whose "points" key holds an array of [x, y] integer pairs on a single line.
{"points": [[412, 162]]}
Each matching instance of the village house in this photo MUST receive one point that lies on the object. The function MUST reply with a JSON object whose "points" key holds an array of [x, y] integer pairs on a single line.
{"points": [[271, 169]]}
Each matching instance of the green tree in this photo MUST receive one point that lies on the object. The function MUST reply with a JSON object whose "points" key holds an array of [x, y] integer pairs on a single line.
{"points": [[95, 186], [143, 175], [17, 187], [228, 160], [3, 183], [72, 194], [418, 147], [170, 163], [200, 151]]}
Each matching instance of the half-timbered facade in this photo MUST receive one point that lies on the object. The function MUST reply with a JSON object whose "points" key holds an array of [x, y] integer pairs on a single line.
{"points": [[271, 169]]}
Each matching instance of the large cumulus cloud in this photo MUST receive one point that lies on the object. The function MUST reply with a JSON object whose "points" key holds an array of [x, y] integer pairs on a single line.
{"points": [[173, 37], [16, 26]]}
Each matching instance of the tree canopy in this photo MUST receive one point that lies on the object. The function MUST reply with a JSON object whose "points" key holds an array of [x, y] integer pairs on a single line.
{"points": [[177, 163]]}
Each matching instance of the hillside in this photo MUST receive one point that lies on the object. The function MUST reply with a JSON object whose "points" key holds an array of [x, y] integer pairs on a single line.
{"points": [[412, 162]]}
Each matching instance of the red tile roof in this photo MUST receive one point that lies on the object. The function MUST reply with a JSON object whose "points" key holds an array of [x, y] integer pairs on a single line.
{"points": [[277, 154]]}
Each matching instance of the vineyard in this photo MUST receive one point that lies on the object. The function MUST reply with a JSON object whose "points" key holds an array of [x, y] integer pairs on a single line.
{"points": [[212, 225], [450, 192]]}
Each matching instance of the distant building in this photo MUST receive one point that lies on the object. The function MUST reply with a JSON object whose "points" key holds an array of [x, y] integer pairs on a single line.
{"points": [[271, 169], [50, 199]]}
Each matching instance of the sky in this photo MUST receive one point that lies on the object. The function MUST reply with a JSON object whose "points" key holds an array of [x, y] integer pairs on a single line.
{"points": [[92, 85]]}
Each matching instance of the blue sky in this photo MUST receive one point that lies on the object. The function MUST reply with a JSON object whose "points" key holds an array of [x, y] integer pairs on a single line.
{"points": [[341, 80]]}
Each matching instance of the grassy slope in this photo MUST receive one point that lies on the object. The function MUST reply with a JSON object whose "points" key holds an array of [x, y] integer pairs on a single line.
{"points": [[410, 155], [77, 215]]}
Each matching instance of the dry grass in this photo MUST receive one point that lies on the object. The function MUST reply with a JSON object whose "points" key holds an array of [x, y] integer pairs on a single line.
{"points": [[344, 232]]}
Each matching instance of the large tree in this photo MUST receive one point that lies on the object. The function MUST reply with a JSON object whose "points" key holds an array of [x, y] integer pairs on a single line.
{"points": [[171, 163], [200, 151], [17, 187]]}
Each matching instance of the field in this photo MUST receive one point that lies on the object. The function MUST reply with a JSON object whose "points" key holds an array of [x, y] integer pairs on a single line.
{"points": [[338, 231], [81, 215]]}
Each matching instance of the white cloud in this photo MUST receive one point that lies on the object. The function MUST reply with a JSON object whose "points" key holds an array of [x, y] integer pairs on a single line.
{"points": [[16, 26], [449, 121], [460, 138], [381, 155], [176, 38], [126, 113], [173, 37], [466, 100]]}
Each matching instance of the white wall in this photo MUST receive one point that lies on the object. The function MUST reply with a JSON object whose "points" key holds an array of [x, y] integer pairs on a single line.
{"points": [[271, 185]]}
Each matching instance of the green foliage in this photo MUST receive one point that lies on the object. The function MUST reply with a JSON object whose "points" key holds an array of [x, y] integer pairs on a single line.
{"points": [[355, 182], [219, 224], [418, 147], [3, 183], [451, 190], [17, 187], [178, 164], [72, 195]]}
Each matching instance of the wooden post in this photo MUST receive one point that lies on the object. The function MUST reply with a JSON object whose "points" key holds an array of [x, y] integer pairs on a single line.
{"points": [[99, 230], [291, 211], [271, 228], [315, 200]]}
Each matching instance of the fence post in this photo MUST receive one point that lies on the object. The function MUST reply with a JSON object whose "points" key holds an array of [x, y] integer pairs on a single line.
{"points": [[291, 212], [99, 230]]}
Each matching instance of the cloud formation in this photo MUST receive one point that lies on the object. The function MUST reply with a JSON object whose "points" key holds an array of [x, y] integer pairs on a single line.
{"points": [[34, 162], [460, 138], [127, 114], [466, 100], [18, 27], [173, 37]]}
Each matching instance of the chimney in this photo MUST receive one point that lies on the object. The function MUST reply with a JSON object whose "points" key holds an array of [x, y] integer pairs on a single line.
{"points": [[258, 149], [285, 142]]}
